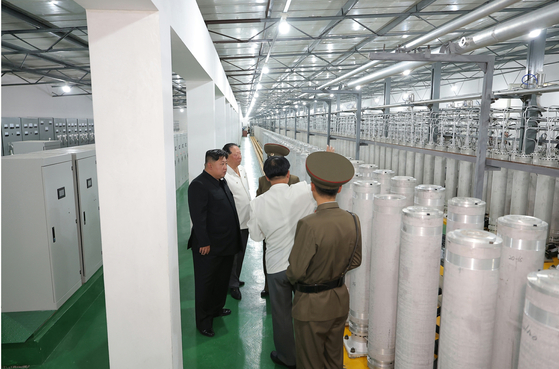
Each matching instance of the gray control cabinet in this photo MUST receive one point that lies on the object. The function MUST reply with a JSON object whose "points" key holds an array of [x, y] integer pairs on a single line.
{"points": [[72, 131], [46, 129], [30, 128], [40, 257], [91, 130], [83, 136], [60, 131], [11, 131], [87, 208], [24, 147]]}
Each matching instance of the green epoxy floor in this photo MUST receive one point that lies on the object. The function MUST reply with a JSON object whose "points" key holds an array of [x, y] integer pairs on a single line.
{"points": [[243, 339]]}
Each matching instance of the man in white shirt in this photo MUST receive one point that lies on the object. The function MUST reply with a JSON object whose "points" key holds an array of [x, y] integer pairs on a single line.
{"points": [[274, 216], [237, 181]]}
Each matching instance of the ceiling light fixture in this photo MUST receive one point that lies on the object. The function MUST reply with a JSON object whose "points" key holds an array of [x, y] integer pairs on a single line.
{"points": [[66, 88], [377, 100], [258, 86], [284, 27], [358, 88], [331, 95], [454, 88], [406, 72], [405, 36], [182, 110], [535, 33], [265, 70]]}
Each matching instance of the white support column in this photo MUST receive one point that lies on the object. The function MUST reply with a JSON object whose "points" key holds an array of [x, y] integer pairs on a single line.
{"points": [[131, 74], [220, 122], [200, 100], [228, 123]]}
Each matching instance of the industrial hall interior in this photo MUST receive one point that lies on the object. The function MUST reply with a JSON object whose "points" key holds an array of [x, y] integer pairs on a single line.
{"points": [[447, 111]]}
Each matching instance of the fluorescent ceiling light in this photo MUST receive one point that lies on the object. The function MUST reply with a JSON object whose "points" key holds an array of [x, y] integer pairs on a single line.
{"points": [[406, 72], [265, 70], [535, 33], [66, 88], [287, 4]]}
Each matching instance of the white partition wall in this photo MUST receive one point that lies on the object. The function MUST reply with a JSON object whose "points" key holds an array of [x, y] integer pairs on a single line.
{"points": [[200, 98], [136, 186], [221, 122]]}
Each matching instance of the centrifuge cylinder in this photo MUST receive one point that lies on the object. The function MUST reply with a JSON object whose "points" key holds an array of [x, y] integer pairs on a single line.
{"points": [[418, 285], [383, 176], [367, 170], [524, 240], [539, 341], [465, 213], [403, 185], [429, 195], [471, 279]]}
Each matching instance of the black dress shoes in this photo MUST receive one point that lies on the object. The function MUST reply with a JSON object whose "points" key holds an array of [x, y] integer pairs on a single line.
{"points": [[207, 332], [236, 293], [276, 359], [225, 312], [241, 283], [264, 293]]}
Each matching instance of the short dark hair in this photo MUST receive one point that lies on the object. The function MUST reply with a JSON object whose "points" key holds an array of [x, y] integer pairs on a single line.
{"points": [[326, 192], [276, 166], [227, 147], [215, 155]]}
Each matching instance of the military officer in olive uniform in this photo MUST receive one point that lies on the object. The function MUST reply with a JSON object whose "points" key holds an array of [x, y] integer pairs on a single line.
{"points": [[327, 245], [264, 185]]}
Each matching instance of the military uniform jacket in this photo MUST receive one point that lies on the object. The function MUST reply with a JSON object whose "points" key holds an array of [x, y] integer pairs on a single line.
{"points": [[264, 185], [214, 217], [324, 242]]}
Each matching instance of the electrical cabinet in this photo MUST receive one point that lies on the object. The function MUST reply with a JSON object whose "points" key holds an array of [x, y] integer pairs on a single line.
{"points": [[87, 208], [11, 132], [30, 128], [60, 131], [91, 131], [40, 257], [24, 147], [72, 132], [46, 129], [83, 136]]}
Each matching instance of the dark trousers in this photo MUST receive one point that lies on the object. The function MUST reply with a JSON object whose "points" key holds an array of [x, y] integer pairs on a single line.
{"points": [[211, 280], [320, 344], [238, 261], [281, 301], [264, 263]]}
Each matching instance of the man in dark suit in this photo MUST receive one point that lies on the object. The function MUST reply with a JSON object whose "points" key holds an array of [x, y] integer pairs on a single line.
{"points": [[214, 240]]}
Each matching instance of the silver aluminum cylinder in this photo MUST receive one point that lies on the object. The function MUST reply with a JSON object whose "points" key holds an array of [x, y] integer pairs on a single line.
{"points": [[385, 257], [377, 155], [395, 162], [383, 176], [465, 174], [431, 196], [345, 197], [418, 284], [498, 194], [439, 173], [539, 341], [403, 185], [410, 163], [363, 192], [520, 184], [418, 167], [522, 252], [429, 169], [367, 170], [471, 279], [402, 163], [388, 158], [465, 213], [545, 191], [382, 157], [356, 164]]}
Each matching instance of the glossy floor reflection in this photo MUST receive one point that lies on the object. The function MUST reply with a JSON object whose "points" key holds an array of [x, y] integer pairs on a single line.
{"points": [[243, 339]]}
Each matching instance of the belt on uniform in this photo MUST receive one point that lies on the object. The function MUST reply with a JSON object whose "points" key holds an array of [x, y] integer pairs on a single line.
{"points": [[319, 287]]}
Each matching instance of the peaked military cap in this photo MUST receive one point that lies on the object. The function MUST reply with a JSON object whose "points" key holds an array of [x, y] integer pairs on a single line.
{"points": [[329, 170], [273, 149]]}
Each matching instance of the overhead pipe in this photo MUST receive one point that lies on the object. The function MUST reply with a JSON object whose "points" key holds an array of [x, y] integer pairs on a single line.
{"points": [[541, 18], [446, 28]]}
